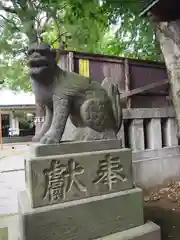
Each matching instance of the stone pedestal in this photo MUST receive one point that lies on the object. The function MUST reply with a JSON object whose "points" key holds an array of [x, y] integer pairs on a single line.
{"points": [[82, 219], [83, 195]]}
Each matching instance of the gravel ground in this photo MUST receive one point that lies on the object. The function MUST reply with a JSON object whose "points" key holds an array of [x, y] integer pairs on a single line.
{"points": [[13, 149]]}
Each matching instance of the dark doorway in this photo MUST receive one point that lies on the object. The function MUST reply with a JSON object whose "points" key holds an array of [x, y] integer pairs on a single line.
{"points": [[5, 123]]}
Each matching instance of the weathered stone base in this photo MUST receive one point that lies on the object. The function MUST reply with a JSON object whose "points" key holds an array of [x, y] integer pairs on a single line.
{"points": [[68, 147], [83, 219], [148, 231]]}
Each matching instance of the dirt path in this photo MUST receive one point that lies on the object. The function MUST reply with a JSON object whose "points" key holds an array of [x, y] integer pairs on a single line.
{"points": [[162, 206]]}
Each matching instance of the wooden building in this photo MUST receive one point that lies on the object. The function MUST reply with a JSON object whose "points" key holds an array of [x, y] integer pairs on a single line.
{"points": [[11, 105], [165, 10]]}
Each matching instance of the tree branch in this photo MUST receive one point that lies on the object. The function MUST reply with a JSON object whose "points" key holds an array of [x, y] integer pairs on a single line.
{"points": [[11, 22], [59, 37], [43, 28], [7, 9], [30, 4]]}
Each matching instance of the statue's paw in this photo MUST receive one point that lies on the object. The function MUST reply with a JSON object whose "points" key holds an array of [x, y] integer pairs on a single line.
{"points": [[48, 140], [36, 138]]}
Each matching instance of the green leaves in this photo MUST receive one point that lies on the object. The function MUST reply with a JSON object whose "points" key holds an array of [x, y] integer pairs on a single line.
{"points": [[15, 75], [84, 25], [134, 37]]}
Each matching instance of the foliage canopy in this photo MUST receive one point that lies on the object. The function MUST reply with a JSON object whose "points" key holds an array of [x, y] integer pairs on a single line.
{"points": [[107, 26]]}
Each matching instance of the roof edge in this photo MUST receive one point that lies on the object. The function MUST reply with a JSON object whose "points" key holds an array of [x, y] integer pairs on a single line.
{"points": [[147, 8]]}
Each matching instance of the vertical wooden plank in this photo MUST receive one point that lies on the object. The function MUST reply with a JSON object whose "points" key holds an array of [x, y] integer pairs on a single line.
{"points": [[58, 57], [63, 63], [81, 67], [84, 67], [71, 62], [113, 72], [58, 62], [127, 81], [87, 68]]}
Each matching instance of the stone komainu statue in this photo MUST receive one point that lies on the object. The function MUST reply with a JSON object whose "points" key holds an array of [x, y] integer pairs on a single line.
{"points": [[95, 111]]}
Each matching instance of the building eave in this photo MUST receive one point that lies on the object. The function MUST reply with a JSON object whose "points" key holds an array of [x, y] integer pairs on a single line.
{"points": [[16, 107], [148, 8], [163, 10]]}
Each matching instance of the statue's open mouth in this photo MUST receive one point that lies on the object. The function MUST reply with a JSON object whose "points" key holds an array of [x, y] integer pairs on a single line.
{"points": [[40, 62], [38, 70]]}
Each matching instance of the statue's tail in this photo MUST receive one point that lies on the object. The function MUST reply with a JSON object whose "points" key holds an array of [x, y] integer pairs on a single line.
{"points": [[114, 94]]}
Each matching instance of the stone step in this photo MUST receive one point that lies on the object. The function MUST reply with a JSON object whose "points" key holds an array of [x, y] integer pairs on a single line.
{"points": [[82, 219], [148, 231]]}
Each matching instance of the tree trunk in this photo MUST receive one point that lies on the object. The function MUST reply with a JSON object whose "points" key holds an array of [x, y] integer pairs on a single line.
{"points": [[168, 34], [27, 15], [40, 110]]}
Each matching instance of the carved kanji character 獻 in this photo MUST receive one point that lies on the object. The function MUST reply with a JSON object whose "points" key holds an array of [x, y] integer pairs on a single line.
{"points": [[55, 181]]}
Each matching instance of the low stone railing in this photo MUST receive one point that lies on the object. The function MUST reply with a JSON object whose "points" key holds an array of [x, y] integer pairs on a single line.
{"points": [[143, 128], [152, 135], [148, 128]]}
